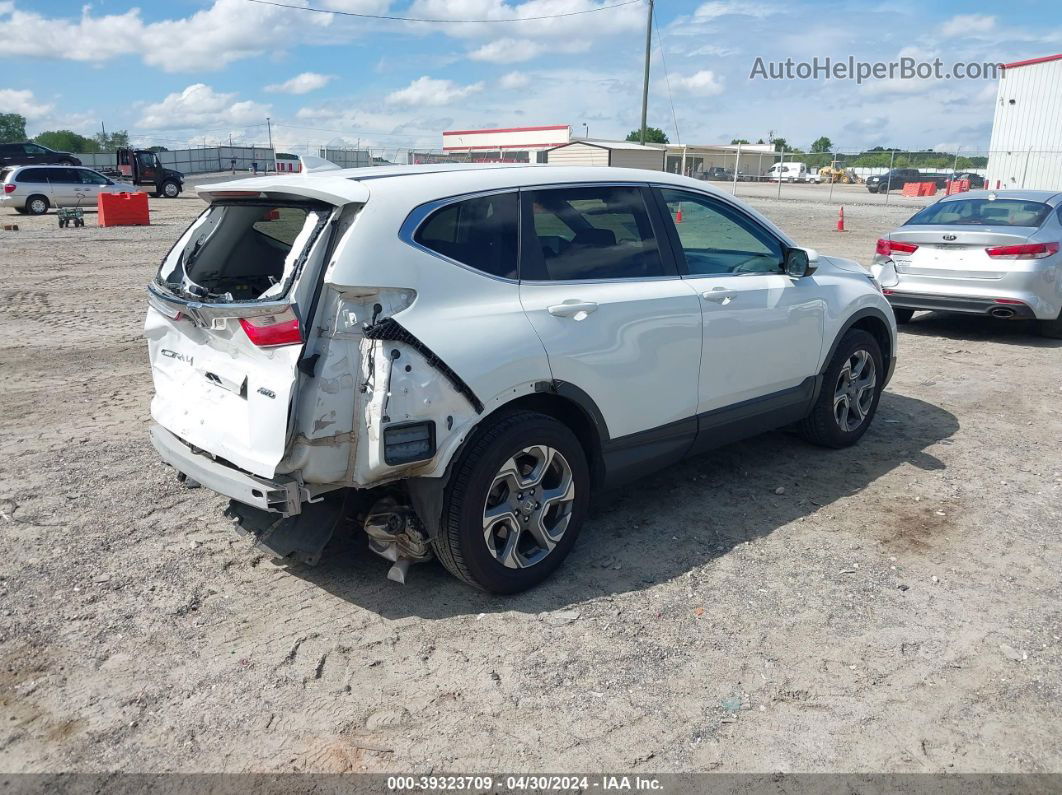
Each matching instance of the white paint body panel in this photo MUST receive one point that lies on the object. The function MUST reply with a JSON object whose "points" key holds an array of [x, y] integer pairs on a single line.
{"points": [[651, 353]]}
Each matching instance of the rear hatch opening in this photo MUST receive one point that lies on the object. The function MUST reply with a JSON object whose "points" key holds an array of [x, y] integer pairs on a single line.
{"points": [[228, 318]]}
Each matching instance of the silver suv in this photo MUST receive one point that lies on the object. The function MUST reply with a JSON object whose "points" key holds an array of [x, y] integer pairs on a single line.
{"points": [[34, 190]]}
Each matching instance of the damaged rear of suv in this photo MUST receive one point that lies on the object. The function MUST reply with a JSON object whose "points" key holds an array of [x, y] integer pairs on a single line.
{"points": [[458, 356]]}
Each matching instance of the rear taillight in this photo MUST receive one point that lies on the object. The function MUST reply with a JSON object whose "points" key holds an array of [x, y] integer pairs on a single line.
{"points": [[1023, 251], [9, 187], [269, 330], [889, 247]]}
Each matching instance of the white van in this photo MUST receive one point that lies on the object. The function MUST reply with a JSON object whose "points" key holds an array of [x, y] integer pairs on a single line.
{"points": [[789, 172]]}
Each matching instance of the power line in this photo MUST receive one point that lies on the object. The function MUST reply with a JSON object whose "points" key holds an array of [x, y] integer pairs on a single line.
{"points": [[442, 21]]}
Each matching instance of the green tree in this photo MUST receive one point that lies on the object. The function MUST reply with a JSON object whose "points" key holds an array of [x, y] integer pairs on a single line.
{"points": [[118, 139], [822, 144], [780, 144], [738, 141], [760, 141], [65, 141], [653, 135], [157, 149], [12, 127]]}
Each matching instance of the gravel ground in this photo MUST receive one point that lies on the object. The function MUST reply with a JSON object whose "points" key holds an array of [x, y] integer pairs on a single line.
{"points": [[770, 607]]}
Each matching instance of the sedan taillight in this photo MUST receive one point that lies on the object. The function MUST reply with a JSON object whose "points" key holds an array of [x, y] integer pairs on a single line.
{"points": [[9, 187], [1023, 251], [888, 247], [266, 331]]}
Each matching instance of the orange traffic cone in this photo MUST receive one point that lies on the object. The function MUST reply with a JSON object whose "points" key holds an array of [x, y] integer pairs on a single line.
{"points": [[840, 219], [678, 216]]}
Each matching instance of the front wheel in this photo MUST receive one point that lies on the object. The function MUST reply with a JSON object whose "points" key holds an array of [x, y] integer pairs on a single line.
{"points": [[848, 397], [515, 503], [170, 189]]}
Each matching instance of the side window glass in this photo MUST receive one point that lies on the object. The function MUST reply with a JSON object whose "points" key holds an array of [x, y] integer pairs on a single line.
{"points": [[480, 232], [717, 239], [592, 233], [33, 175], [32, 149], [91, 177]]}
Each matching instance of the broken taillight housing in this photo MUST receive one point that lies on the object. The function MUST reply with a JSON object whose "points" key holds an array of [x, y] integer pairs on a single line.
{"points": [[1023, 251], [271, 330], [889, 247]]}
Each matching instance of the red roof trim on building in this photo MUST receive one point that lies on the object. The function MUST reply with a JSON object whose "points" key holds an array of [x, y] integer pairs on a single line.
{"points": [[496, 147], [507, 130], [1031, 61]]}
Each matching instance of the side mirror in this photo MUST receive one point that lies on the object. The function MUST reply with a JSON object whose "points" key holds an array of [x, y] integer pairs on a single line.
{"points": [[800, 262]]}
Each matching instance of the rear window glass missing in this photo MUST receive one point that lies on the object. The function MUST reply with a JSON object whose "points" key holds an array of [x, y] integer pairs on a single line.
{"points": [[242, 251], [982, 212]]}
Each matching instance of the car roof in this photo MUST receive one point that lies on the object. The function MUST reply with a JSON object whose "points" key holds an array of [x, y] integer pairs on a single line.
{"points": [[422, 183], [1049, 197]]}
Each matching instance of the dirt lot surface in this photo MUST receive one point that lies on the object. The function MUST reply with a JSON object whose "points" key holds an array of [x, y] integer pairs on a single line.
{"points": [[770, 607]]}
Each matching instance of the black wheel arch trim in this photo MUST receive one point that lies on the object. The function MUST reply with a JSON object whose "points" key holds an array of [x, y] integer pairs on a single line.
{"points": [[889, 356]]}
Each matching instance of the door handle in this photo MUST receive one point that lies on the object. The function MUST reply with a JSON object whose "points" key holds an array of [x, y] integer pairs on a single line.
{"points": [[573, 308], [718, 295]]}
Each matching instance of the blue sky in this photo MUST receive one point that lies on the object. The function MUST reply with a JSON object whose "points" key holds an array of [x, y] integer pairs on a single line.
{"points": [[179, 71]]}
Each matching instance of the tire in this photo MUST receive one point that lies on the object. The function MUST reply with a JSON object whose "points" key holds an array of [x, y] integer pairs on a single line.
{"points": [[170, 189], [478, 479], [822, 426], [902, 315], [1052, 329], [66, 162], [872, 190], [20, 210], [37, 204]]}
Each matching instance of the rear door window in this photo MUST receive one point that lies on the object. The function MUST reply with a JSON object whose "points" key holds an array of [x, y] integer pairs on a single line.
{"points": [[242, 251], [479, 232], [91, 177], [32, 175], [982, 212], [590, 233]]}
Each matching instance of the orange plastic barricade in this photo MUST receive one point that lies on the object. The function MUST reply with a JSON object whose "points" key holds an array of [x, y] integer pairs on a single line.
{"points": [[957, 186], [912, 188], [928, 189], [122, 209]]}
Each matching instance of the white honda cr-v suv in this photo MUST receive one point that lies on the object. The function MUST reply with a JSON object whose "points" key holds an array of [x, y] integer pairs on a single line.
{"points": [[460, 356]]}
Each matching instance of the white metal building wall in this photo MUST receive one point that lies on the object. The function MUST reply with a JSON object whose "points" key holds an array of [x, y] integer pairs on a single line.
{"points": [[638, 158], [1026, 148], [578, 155]]}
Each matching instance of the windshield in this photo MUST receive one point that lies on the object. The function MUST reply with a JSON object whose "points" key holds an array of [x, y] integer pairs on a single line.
{"points": [[983, 212], [242, 251]]}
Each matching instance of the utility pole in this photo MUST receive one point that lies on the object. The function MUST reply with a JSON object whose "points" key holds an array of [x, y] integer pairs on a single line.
{"points": [[269, 127], [645, 80]]}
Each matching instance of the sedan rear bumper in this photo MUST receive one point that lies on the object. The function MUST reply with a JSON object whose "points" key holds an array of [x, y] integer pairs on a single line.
{"points": [[965, 304]]}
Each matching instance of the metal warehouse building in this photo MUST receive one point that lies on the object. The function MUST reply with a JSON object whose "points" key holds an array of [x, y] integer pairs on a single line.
{"points": [[1026, 148], [607, 153]]}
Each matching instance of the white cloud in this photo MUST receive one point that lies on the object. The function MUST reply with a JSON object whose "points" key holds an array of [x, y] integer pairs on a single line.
{"points": [[301, 84], [712, 50], [507, 51], [7, 6], [200, 106], [704, 83], [23, 103], [513, 80], [719, 8], [429, 91], [967, 24], [626, 18]]}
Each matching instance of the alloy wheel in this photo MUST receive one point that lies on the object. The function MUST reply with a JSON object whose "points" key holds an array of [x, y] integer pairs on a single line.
{"points": [[528, 506], [853, 394]]}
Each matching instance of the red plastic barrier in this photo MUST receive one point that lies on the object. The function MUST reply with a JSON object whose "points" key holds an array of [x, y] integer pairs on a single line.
{"points": [[928, 189], [123, 209], [912, 188]]}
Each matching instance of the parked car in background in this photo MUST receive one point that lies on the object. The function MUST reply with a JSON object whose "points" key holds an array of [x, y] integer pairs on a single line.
{"points": [[788, 172], [715, 173], [462, 354], [898, 177], [29, 153], [977, 182], [984, 253], [36, 189]]}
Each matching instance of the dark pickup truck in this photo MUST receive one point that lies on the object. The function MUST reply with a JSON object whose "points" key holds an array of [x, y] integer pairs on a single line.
{"points": [[898, 177]]}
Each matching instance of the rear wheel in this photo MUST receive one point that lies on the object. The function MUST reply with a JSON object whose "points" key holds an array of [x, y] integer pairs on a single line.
{"points": [[1050, 328], [902, 315], [66, 162], [37, 205], [515, 503], [849, 394]]}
